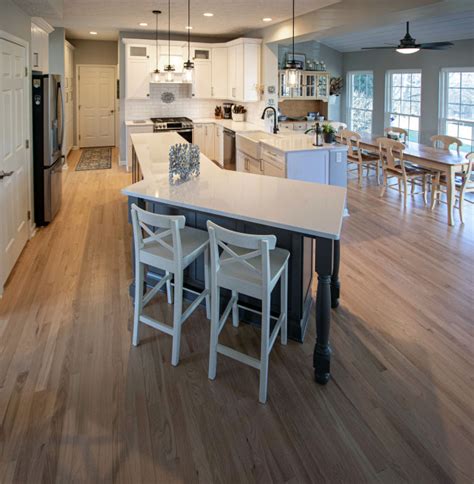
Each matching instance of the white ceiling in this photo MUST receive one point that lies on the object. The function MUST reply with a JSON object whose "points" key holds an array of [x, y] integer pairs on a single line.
{"points": [[108, 17], [449, 27]]}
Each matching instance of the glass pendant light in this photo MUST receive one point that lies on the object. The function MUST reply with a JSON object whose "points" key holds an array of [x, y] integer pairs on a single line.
{"points": [[188, 65], [169, 69], [291, 68], [155, 75]]}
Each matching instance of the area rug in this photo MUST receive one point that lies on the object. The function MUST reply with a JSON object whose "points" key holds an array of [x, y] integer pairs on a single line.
{"points": [[95, 159]]}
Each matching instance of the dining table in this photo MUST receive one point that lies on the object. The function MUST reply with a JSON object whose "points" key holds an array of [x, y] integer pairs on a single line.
{"points": [[448, 162]]}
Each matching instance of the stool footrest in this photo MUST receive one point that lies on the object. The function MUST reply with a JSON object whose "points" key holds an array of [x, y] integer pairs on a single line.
{"points": [[154, 290], [275, 331], [236, 355], [156, 324], [227, 311]]}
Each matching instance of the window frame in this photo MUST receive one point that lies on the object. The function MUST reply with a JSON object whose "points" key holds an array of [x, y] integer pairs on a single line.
{"points": [[349, 106], [388, 97], [444, 101]]}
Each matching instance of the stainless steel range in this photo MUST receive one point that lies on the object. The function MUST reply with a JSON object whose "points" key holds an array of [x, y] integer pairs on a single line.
{"points": [[183, 126]]}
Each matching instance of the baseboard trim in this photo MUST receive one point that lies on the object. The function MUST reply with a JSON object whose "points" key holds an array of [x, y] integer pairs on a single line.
{"points": [[123, 162], [75, 148]]}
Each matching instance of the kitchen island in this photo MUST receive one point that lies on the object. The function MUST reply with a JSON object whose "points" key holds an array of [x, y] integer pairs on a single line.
{"points": [[296, 212]]}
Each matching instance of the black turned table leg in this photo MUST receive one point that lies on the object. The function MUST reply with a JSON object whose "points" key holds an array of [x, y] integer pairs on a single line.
{"points": [[322, 351], [335, 284]]}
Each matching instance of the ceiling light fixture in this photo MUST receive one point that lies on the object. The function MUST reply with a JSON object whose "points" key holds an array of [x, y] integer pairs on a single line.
{"points": [[143, 24], [155, 75], [188, 65], [267, 19], [93, 33], [208, 14], [408, 50], [169, 69], [291, 68]]}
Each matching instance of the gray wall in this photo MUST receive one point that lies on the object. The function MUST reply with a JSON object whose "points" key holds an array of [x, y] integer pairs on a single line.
{"points": [[14, 21], [95, 52], [430, 63]]}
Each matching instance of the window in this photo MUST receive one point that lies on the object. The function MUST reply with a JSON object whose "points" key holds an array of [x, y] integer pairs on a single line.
{"points": [[457, 105], [360, 96], [403, 101]]}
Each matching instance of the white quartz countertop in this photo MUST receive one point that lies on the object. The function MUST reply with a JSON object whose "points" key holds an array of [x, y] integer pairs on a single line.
{"points": [[298, 142], [309, 208], [230, 124]]}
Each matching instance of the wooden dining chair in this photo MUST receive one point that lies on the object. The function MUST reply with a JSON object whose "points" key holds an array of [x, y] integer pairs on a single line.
{"points": [[394, 166], [401, 133], [464, 183], [356, 155], [443, 142]]}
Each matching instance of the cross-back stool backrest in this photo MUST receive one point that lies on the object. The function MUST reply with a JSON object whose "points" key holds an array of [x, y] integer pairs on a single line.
{"points": [[149, 228], [255, 246]]}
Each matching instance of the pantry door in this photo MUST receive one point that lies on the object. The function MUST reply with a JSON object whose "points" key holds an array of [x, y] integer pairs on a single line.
{"points": [[96, 104], [14, 156]]}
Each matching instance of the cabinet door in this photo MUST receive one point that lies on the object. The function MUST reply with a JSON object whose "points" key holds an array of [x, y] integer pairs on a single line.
{"points": [[274, 169], [251, 72], [219, 144], [241, 162], [231, 72], [255, 166], [310, 86], [137, 83], [198, 137], [239, 73], [202, 80], [132, 130], [209, 140], [219, 73], [323, 87]]}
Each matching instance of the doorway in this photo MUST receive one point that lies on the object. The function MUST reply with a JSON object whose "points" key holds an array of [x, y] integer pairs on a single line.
{"points": [[96, 106]]}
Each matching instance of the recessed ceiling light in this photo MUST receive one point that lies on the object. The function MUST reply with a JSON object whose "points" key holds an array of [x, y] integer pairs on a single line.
{"points": [[143, 24], [208, 14], [267, 19], [188, 27], [93, 33]]}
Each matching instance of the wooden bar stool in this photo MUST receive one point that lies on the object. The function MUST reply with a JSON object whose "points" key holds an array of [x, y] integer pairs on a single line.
{"points": [[250, 265], [164, 242]]}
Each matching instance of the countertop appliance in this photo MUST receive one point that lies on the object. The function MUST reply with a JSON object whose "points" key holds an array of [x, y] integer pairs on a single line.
{"points": [[48, 136], [229, 149], [228, 110], [183, 126]]}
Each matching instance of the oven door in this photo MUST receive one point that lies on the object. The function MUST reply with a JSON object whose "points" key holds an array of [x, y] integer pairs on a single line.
{"points": [[187, 134]]}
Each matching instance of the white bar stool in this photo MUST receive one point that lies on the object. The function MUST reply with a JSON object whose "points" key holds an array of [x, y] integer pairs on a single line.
{"points": [[250, 265], [170, 246]]}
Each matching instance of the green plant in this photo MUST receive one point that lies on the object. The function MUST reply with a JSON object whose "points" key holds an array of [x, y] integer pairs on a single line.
{"points": [[328, 129]]}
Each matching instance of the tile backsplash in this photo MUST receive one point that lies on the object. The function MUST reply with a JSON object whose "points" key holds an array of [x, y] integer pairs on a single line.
{"points": [[183, 105]]}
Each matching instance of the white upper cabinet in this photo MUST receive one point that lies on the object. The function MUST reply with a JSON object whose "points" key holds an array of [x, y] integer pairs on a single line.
{"points": [[137, 71], [40, 30], [219, 89], [202, 84]]}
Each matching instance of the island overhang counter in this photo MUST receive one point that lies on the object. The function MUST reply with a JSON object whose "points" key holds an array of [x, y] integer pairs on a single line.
{"points": [[297, 212]]}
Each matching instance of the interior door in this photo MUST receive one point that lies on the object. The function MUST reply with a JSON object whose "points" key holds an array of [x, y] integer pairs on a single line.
{"points": [[96, 106], [14, 184]]}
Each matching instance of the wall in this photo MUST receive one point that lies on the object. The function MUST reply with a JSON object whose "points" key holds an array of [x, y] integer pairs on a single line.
{"points": [[430, 63], [14, 21], [95, 52]]}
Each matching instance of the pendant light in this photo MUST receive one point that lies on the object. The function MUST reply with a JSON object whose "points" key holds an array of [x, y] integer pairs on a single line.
{"points": [[188, 65], [155, 75], [169, 69], [291, 68]]}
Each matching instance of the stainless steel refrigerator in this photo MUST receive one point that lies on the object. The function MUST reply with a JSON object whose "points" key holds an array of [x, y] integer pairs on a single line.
{"points": [[48, 136]]}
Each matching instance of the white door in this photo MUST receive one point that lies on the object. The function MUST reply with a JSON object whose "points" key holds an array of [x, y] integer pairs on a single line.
{"points": [[96, 106], [14, 182]]}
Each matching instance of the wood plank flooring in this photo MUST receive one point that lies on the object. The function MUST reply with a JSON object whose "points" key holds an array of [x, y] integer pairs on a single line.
{"points": [[79, 404]]}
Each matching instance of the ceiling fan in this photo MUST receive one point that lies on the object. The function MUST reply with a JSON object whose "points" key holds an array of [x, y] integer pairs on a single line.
{"points": [[408, 45]]}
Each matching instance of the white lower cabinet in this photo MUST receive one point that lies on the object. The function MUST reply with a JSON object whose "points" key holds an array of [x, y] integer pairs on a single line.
{"points": [[274, 168], [219, 144], [248, 164], [204, 136], [133, 130]]}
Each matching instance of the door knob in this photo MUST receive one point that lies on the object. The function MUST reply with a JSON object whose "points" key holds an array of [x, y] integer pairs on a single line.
{"points": [[112, 111], [4, 174]]}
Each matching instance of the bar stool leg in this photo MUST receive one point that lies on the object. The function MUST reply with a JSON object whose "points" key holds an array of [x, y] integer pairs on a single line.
{"points": [[284, 305], [235, 310], [264, 348], [139, 274], [178, 309], [169, 293], [206, 283], [215, 296]]}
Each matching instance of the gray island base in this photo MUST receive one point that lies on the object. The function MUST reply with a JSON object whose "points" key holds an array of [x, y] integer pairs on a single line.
{"points": [[301, 215]]}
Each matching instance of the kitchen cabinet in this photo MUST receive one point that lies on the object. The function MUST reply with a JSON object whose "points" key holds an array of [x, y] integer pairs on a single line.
{"points": [[274, 168], [203, 136], [243, 70], [312, 85], [202, 83], [137, 72], [248, 164], [219, 144], [219, 74], [148, 128], [40, 31]]}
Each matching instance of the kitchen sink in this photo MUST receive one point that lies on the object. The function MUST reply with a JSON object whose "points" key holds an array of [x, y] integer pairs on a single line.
{"points": [[249, 142]]}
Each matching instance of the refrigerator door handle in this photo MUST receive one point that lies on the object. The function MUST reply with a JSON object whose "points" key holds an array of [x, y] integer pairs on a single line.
{"points": [[59, 97]]}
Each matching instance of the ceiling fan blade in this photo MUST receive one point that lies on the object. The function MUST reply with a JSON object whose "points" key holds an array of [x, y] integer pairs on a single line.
{"points": [[378, 48], [435, 45]]}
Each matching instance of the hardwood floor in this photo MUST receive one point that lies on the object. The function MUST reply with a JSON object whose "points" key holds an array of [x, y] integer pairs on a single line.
{"points": [[79, 404]]}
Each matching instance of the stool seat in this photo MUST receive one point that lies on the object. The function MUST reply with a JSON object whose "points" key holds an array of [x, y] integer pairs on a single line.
{"points": [[245, 280], [193, 243]]}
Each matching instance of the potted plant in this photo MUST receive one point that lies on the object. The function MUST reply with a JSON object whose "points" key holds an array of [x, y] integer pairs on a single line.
{"points": [[329, 133], [238, 112]]}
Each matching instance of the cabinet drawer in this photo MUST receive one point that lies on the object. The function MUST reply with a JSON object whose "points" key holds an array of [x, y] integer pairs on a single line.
{"points": [[272, 168], [286, 126], [273, 155], [299, 126]]}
